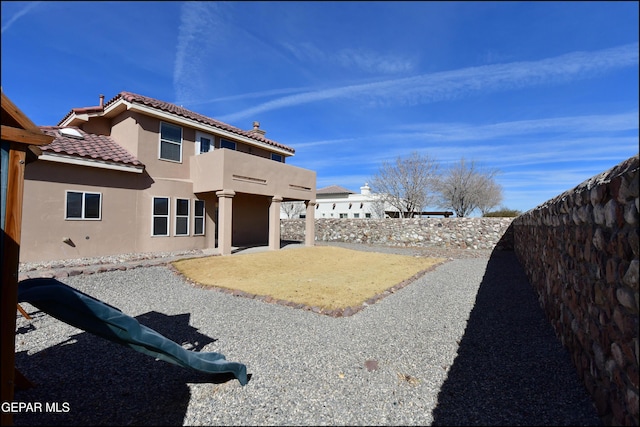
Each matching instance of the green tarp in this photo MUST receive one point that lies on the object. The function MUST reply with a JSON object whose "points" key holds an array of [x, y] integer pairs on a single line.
{"points": [[92, 315]]}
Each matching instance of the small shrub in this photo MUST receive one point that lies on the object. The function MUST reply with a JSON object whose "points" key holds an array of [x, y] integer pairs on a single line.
{"points": [[504, 212]]}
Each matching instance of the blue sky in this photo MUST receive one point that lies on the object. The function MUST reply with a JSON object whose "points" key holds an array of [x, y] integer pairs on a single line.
{"points": [[546, 92]]}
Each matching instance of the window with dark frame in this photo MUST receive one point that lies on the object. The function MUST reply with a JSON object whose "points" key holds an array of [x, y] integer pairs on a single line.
{"points": [[182, 217], [82, 205], [170, 142], [160, 216], [204, 143], [225, 143], [198, 216]]}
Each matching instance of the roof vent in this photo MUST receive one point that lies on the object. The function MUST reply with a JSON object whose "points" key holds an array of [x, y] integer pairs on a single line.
{"points": [[71, 133]]}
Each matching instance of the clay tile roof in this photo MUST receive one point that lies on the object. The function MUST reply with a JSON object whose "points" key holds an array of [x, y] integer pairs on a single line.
{"points": [[98, 147], [333, 189], [183, 112]]}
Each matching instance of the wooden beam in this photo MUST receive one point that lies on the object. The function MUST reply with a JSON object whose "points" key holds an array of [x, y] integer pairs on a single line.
{"points": [[17, 115], [25, 136], [10, 259]]}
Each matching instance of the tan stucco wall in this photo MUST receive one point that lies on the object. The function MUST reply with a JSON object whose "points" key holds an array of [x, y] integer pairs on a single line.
{"points": [[228, 169], [173, 189], [148, 149], [44, 227], [126, 220], [99, 126], [124, 131]]}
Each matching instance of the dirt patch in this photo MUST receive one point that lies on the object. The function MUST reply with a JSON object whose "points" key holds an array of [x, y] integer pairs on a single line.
{"points": [[325, 279]]}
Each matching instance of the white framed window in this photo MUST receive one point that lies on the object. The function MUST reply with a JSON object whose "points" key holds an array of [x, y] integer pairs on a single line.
{"points": [[225, 143], [170, 142], [204, 142], [182, 217], [276, 157], [198, 217], [82, 205], [344, 215], [160, 222]]}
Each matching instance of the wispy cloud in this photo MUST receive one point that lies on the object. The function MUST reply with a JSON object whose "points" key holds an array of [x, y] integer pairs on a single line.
{"points": [[249, 95], [325, 142], [574, 124], [506, 145], [428, 88], [350, 58], [196, 42], [26, 9]]}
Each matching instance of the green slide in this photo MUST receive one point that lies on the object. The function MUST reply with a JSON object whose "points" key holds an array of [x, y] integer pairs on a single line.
{"points": [[99, 318]]}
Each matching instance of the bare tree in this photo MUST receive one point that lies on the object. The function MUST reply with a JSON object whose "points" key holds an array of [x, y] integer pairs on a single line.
{"points": [[377, 208], [293, 209], [491, 193], [407, 184], [466, 187]]}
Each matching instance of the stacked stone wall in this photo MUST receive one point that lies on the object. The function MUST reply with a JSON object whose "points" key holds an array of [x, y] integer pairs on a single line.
{"points": [[457, 233], [580, 253]]}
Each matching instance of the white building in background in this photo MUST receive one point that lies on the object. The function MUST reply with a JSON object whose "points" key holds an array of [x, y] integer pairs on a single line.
{"points": [[338, 202]]}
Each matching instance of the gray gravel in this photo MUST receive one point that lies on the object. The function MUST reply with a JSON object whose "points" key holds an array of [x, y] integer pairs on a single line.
{"points": [[466, 344]]}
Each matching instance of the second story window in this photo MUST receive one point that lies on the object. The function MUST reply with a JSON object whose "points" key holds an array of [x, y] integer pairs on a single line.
{"points": [[225, 143], [204, 143], [170, 142], [276, 157]]}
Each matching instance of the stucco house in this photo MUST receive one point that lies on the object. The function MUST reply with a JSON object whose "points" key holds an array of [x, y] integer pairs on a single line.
{"points": [[136, 174]]}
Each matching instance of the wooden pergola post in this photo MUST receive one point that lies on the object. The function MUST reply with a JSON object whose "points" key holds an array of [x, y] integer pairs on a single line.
{"points": [[19, 138]]}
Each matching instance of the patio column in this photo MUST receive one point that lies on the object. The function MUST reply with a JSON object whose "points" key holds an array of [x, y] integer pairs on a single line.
{"points": [[274, 223], [225, 199], [310, 223]]}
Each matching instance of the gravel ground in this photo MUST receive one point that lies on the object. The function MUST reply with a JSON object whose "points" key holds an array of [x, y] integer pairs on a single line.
{"points": [[465, 344]]}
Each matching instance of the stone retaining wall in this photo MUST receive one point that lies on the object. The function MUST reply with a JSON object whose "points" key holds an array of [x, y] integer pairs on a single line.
{"points": [[458, 233], [580, 253]]}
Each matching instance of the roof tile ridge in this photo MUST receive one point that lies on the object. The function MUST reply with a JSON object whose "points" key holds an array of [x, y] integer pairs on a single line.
{"points": [[133, 97]]}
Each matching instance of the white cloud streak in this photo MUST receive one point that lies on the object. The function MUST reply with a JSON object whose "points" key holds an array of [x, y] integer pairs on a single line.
{"points": [[446, 85], [361, 59], [195, 42], [574, 124], [29, 6]]}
